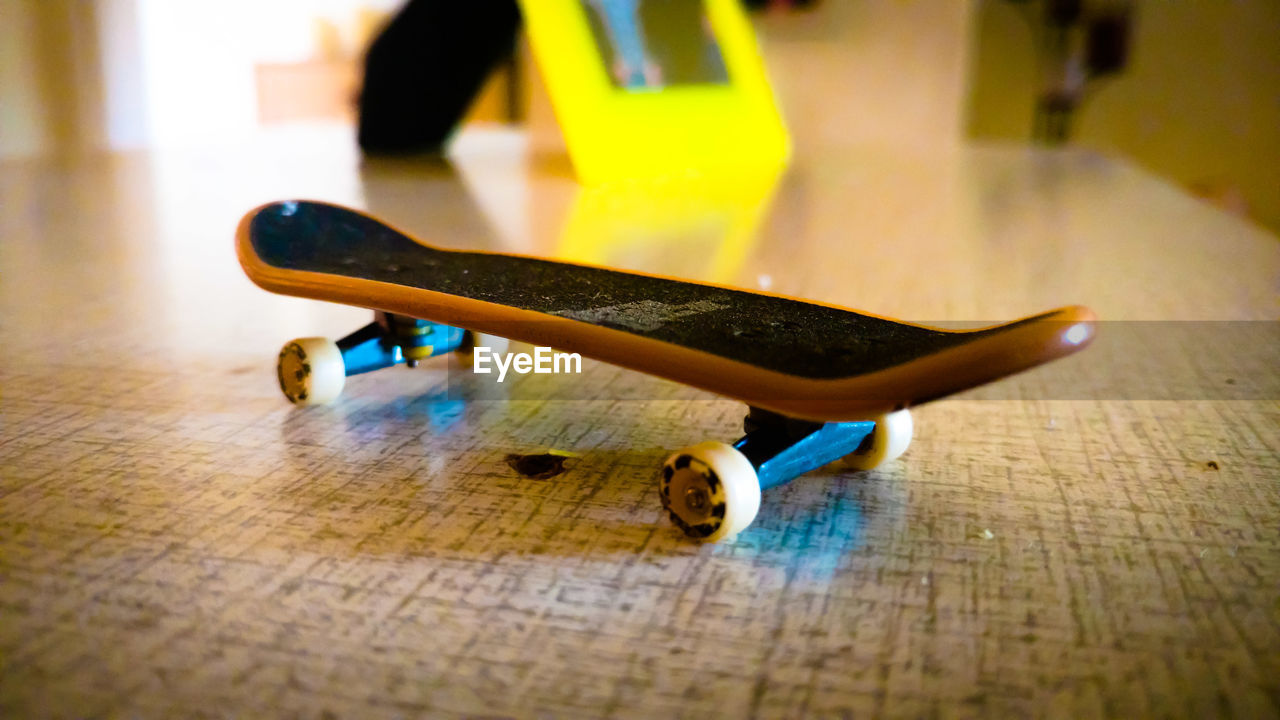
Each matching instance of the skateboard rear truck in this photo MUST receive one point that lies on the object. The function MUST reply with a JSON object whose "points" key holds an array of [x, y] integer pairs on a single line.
{"points": [[712, 490], [313, 371]]}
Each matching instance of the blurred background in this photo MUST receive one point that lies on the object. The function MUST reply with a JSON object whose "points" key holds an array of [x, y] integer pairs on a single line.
{"points": [[1189, 90]]}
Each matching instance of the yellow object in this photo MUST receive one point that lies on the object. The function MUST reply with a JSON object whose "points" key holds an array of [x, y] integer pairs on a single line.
{"points": [[702, 229], [662, 125]]}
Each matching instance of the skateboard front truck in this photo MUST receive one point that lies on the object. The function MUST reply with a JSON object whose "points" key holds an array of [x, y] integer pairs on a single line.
{"points": [[712, 489], [313, 370]]}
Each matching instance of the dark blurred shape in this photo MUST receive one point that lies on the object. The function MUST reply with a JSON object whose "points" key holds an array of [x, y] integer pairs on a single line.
{"points": [[1062, 13], [1107, 41], [1052, 122], [1077, 43], [537, 467], [425, 68], [779, 4]]}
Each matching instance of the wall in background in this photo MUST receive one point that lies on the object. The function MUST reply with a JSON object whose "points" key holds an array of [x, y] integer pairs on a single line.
{"points": [[1199, 103], [21, 131], [93, 74], [50, 87], [883, 72]]}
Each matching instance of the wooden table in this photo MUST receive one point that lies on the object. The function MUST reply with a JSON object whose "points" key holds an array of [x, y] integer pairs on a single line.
{"points": [[176, 540]]}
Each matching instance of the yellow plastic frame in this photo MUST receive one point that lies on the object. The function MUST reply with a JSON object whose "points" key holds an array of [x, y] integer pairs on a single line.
{"points": [[613, 133]]}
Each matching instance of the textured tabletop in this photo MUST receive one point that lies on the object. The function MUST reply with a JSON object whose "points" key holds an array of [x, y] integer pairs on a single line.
{"points": [[177, 540]]}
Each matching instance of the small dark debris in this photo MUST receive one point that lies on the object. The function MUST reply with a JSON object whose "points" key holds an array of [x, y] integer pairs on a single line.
{"points": [[1211, 465], [539, 467], [1231, 381]]}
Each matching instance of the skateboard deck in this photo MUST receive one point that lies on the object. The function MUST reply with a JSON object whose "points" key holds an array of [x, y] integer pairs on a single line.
{"points": [[795, 357]]}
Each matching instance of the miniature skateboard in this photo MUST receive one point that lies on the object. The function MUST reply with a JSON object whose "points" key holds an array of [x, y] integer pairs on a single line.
{"points": [[821, 382]]}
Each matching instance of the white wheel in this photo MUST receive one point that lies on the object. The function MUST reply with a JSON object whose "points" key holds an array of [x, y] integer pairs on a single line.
{"points": [[496, 344], [311, 371], [889, 440], [710, 490]]}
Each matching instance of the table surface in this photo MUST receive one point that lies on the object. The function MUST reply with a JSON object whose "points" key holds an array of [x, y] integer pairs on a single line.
{"points": [[177, 540]]}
